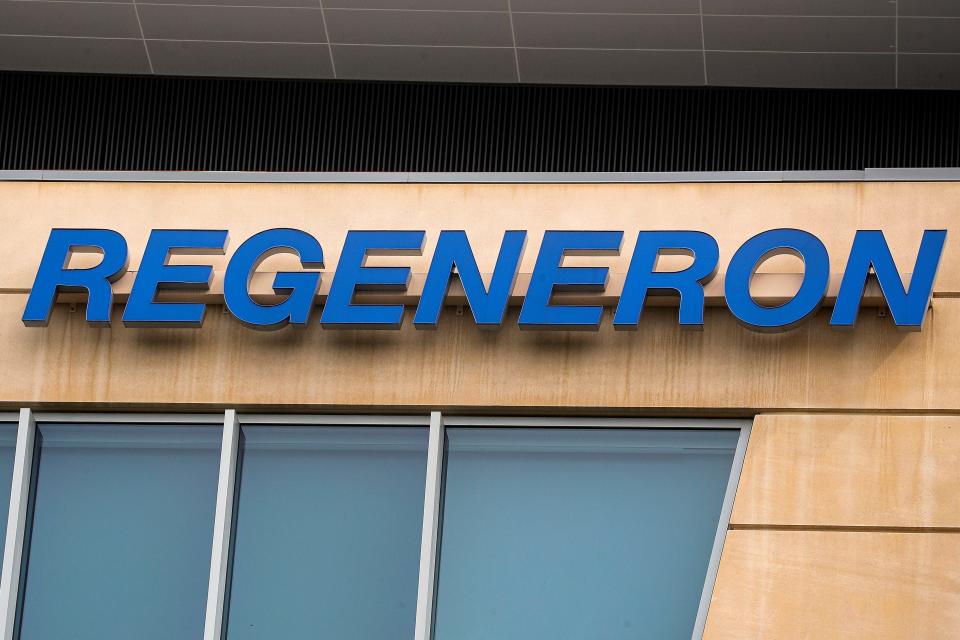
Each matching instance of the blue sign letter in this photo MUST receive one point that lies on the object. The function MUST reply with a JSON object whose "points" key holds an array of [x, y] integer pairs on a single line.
{"points": [[453, 251], [54, 277], [549, 275], [155, 275], [643, 277], [908, 308], [816, 277], [339, 312], [299, 287]]}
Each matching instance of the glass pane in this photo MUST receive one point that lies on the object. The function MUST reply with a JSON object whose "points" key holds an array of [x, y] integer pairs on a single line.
{"points": [[327, 540], [122, 532], [578, 534], [8, 445]]}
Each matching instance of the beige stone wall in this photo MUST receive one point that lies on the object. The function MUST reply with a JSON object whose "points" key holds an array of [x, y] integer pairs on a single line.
{"points": [[844, 526], [847, 518]]}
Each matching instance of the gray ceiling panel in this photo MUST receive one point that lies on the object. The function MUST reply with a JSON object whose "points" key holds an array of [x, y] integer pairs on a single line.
{"points": [[604, 31], [249, 59], [577, 66], [608, 6], [89, 55], [929, 8], [748, 33], [791, 43], [248, 24], [813, 70], [68, 19], [929, 71], [930, 35], [423, 28], [429, 64], [437, 5], [312, 4], [800, 7]]}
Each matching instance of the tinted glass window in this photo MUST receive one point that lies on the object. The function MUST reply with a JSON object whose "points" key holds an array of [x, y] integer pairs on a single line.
{"points": [[122, 532], [327, 534], [578, 534]]}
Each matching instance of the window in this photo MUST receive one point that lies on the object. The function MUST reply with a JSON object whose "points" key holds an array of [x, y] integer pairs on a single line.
{"points": [[576, 533], [121, 535], [327, 541], [363, 527]]}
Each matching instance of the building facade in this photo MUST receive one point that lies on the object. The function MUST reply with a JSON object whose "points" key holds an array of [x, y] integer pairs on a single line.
{"points": [[205, 438]]}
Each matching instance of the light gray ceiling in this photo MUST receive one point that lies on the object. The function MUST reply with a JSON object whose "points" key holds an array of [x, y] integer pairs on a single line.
{"points": [[773, 43]]}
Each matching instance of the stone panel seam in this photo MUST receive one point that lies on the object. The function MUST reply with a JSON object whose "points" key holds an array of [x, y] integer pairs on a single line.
{"points": [[841, 528]]}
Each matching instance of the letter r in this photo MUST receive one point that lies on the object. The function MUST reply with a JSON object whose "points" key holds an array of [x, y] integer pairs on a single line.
{"points": [[53, 276]]}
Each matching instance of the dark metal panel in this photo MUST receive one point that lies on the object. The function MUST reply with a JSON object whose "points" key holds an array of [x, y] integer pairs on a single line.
{"points": [[87, 122]]}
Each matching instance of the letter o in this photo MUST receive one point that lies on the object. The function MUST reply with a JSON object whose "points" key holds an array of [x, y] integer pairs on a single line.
{"points": [[752, 254]]}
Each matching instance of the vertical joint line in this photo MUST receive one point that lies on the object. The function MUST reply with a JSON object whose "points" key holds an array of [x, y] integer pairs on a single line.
{"points": [[11, 571], [326, 32], [429, 538], [513, 35], [703, 45], [722, 527], [143, 38], [222, 527], [896, 44]]}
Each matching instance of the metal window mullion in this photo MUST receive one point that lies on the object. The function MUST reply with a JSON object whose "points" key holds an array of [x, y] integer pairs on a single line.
{"points": [[339, 420], [430, 536], [17, 523], [725, 512], [535, 422], [222, 527], [131, 418]]}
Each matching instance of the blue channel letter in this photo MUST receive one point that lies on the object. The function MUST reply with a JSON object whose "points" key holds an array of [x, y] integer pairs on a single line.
{"points": [[642, 276], [454, 252], [155, 275], [339, 311], [549, 275], [907, 307], [743, 265], [300, 287], [53, 276]]}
